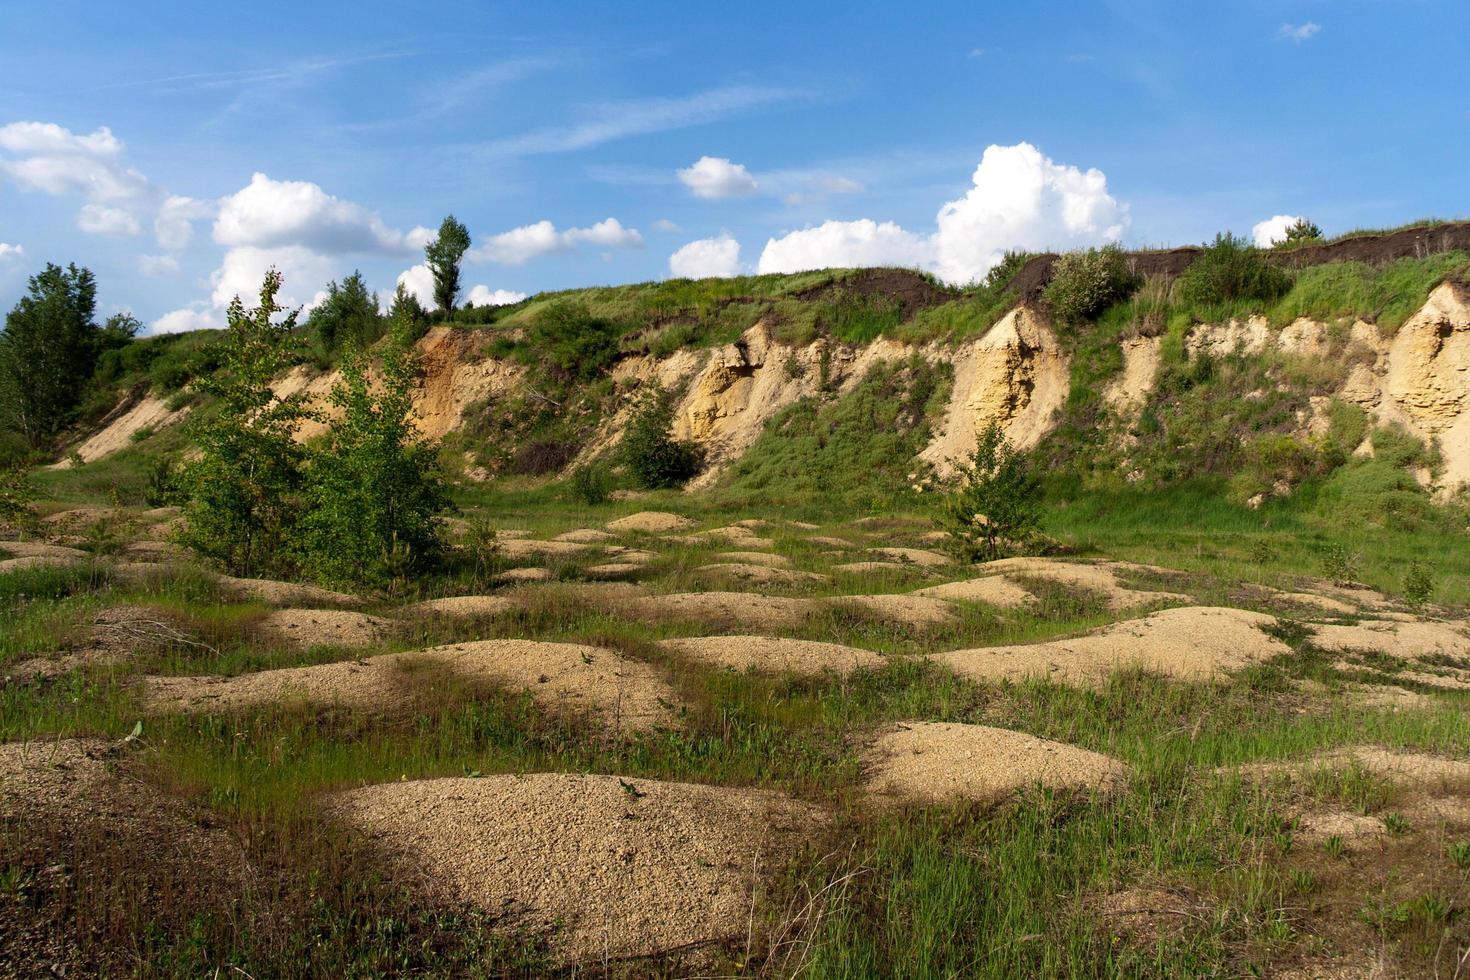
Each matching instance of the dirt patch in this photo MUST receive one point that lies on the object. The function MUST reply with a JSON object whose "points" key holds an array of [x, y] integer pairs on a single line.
{"points": [[1190, 643], [997, 590], [915, 556], [922, 612], [749, 573], [830, 542], [114, 636], [875, 567], [520, 548], [461, 606], [148, 412], [755, 558], [935, 761], [584, 535], [307, 628], [1148, 915], [275, 593], [514, 576], [40, 549], [613, 570], [9, 565], [1101, 578], [1404, 769], [611, 866], [649, 522], [775, 654], [563, 678], [740, 609], [1409, 641], [910, 291]]}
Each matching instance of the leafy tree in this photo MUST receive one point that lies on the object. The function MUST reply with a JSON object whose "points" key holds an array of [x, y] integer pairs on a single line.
{"points": [[1085, 283], [374, 491], [47, 352], [408, 311], [117, 332], [996, 504], [1231, 269], [1302, 232], [349, 315], [443, 255], [651, 454], [243, 487]]}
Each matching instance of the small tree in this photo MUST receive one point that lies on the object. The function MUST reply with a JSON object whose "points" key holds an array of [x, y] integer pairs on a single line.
{"points": [[349, 315], [996, 503], [16, 494], [443, 255], [242, 489], [651, 454], [407, 311], [374, 490], [1301, 232], [48, 350], [1085, 283]]}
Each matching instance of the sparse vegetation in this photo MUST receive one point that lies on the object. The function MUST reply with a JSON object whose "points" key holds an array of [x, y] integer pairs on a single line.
{"points": [[995, 505], [650, 452]]}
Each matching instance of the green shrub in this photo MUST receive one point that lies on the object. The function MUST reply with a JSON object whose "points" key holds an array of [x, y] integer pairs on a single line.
{"points": [[1301, 232], [570, 342], [1276, 457], [1397, 446], [162, 489], [652, 455], [1083, 284], [996, 504], [16, 494], [1229, 270], [1374, 493], [1418, 583], [1001, 274], [591, 483], [1347, 425]]}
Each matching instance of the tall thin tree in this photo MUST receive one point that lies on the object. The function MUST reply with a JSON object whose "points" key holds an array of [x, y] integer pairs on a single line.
{"points": [[443, 256]]}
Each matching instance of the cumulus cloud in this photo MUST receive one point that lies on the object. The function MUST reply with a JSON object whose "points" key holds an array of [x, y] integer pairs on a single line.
{"points": [[1273, 229], [51, 159], [520, 245], [1297, 33], [846, 244], [99, 219], [706, 258], [188, 318], [419, 282], [485, 296], [716, 177], [243, 269], [9, 251], [173, 226], [158, 265], [664, 224], [1018, 198], [270, 212]]}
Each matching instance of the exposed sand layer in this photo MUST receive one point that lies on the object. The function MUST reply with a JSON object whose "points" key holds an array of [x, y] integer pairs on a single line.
{"points": [[277, 593], [746, 609], [1407, 640], [775, 654], [935, 761], [461, 606], [564, 678], [616, 867], [914, 556], [1404, 769], [996, 590], [841, 544], [306, 628], [920, 611], [1189, 643], [649, 522], [1102, 578], [584, 535], [754, 558], [39, 549], [753, 574]]}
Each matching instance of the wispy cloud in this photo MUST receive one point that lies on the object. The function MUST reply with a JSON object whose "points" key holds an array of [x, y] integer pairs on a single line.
{"points": [[1297, 33], [618, 120], [463, 88], [291, 73]]}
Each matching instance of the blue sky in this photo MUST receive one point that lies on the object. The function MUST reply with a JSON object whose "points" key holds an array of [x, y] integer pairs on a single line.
{"points": [[589, 143]]}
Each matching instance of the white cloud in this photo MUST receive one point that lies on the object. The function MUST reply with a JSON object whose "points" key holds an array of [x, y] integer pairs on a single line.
{"points": [[664, 224], [846, 244], [1297, 33], [99, 219], [39, 139], [836, 184], [419, 282], [977, 52], [243, 269], [1273, 229], [485, 296], [270, 212], [189, 318], [51, 159], [420, 236], [706, 258], [1019, 198], [520, 245], [173, 226], [158, 265], [8, 251], [714, 178]]}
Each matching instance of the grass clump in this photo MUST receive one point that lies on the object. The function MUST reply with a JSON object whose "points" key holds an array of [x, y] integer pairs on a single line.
{"points": [[1231, 270], [1386, 295]]}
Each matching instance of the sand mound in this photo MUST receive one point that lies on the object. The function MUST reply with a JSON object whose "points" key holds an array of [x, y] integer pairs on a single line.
{"points": [[612, 570], [276, 593], [737, 535], [512, 576], [584, 535], [1190, 643], [617, 867], [307, 628], [519, 548], [997, 590], [1409, 641], [461, 606], [755, 558], [747, 609], [9, 565], [911, 610], [775, 654], [934, 762], [915, 556], [873, 567], [115, 635], [827, 542], [39, 549], [1101, 578], [649, 522], [565, 678], [1316, 603], [752, 574], [1402, 768]]}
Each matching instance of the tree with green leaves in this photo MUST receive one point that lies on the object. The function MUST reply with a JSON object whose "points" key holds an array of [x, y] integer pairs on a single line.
{"points": [[649, 450], [996, 503], [48, 351], [443, 256], [349, 315], [408, 311], [1302, 232], [374, 490], [243, 488]]}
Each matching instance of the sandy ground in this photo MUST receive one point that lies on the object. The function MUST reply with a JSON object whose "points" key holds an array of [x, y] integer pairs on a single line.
{"points": [[775, 654], [277, 593], [934, 762], [997, 590], [649, 522], [1188, 643], [1101, 578], [584, 535], [307, 628], [461, 606], [1410, 641], [754, 558], [914, 556], [746, 609], [919, 611], [620, 867], [749, 573]]}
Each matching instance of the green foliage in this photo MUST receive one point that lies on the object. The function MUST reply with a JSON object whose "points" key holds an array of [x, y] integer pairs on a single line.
{"points": [[1301, 232], [1000, 275], [443, 256], [163, 487], [242, 487], [591, 483], [1085, 283], [1397, 446], [570, 343], [1418, 583], [1375, 493], [1228, 270], [347, 317], [1277, 457], [16, 495], [995, 504], [1347, 425], [653, 456], [1386, 295], [861, 318], [408, 313], [48, 350], [374, 491]]}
